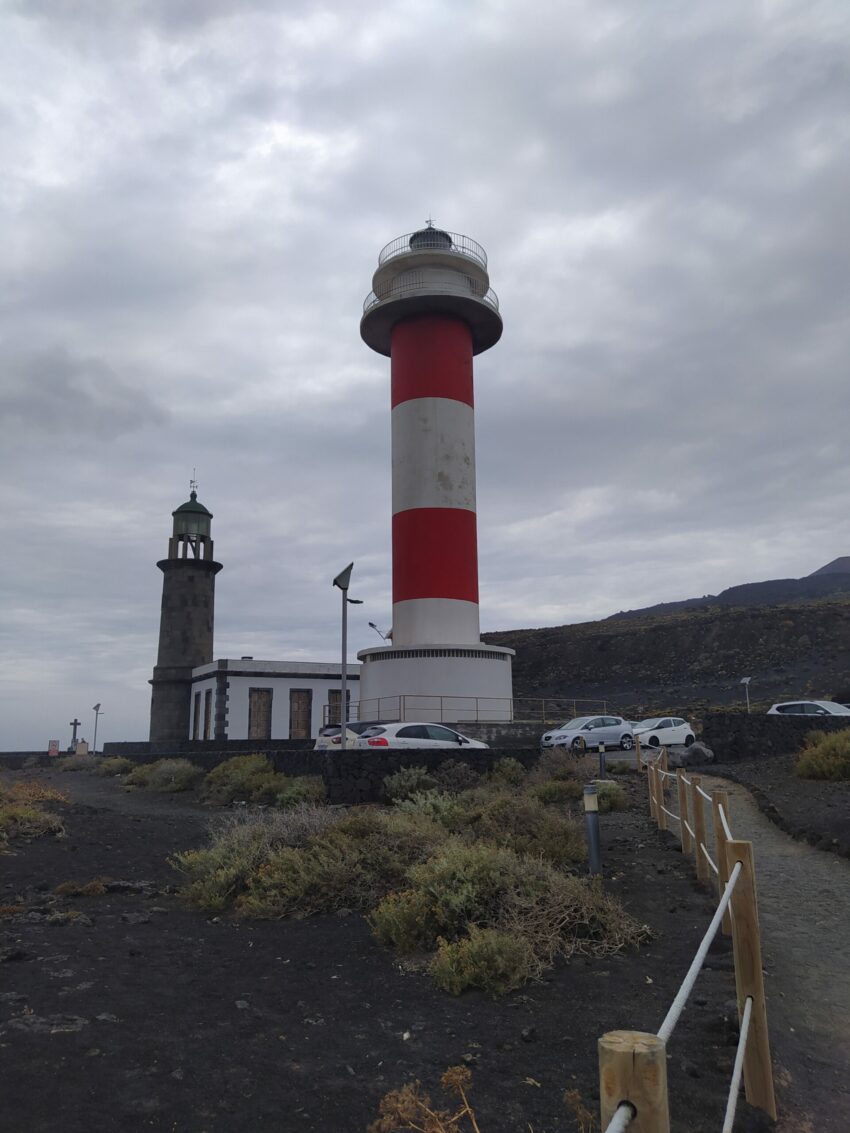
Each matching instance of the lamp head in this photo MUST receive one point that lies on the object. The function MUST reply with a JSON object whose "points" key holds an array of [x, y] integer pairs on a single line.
{"points": [[344, 577]]}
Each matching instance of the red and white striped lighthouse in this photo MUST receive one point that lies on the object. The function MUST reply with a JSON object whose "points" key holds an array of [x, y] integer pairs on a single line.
{"points": [[431, 310]]}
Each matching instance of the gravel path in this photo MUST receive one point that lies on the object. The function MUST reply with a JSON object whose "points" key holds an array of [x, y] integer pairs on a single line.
{"points": [[804, 910]]}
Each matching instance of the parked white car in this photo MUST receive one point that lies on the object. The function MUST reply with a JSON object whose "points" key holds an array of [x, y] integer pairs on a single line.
{"points": [[664, 730], [809, 708], [589, 732], [329, 737], [414, 735]]}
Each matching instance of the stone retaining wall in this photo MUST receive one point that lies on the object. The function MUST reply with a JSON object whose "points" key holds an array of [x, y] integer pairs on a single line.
{"points": [[739, 735]]}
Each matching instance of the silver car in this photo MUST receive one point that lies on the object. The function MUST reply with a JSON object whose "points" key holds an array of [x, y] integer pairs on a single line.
{"points": [[589, 732]]}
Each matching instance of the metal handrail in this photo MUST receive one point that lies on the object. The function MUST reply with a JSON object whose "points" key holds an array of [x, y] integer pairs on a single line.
{"points": [[461, 246], [401, 290], [519, 710]]}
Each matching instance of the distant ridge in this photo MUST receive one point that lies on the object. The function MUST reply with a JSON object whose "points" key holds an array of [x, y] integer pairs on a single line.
{"points": [[837, 566], [834, 578]]}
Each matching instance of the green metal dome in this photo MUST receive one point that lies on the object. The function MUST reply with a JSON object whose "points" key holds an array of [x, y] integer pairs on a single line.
{"points": [[192, 505]]}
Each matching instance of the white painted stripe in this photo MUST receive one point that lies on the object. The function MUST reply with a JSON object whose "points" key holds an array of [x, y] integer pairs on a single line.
{"points": [[433, 447], [435, 621]]}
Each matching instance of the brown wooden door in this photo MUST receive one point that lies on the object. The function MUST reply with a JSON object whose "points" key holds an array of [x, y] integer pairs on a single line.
{"points": [[300, 713], [259, 714]]}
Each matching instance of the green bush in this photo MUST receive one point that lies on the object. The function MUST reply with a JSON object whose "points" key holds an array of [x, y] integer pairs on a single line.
{"points": [[520, 822], [165, 775], [455, 776], [557, 792], [466, 888], [353, 864], [115, 765], [494, 961], [247, 778], [23, 820], [78, 763], [309, 789], [407, 782], [825, 755], [508, 772], [442, 808], [242, 844], [611, 796]]}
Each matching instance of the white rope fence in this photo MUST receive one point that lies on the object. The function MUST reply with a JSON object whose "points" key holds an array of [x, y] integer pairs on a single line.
{"points": [[737, 1069], [633, 1064], [678, 1005]]}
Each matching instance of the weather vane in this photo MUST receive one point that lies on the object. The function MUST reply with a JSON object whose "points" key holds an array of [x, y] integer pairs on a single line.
{"points": [[193, 483], [430, 222]]}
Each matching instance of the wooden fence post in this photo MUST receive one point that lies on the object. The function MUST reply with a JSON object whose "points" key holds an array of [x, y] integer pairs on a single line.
{"points": [[633, 1068], [687, 841], [637, 754], [659, 798], [719, 799], [650, 787], [749, 979], [664, 767], [698, 811]]}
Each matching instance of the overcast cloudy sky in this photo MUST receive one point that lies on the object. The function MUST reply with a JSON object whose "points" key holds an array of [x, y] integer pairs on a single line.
{"points": [[193, 198]]}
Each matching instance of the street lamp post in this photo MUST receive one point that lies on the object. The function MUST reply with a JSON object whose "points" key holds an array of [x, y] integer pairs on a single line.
{"points": [[97, 712], [745, 681], [342, 580]]}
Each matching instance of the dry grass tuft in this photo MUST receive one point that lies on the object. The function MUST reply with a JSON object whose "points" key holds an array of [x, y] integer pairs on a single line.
{"points": [[410, 1107], [35, 792], [78, 763], [94, 888]]}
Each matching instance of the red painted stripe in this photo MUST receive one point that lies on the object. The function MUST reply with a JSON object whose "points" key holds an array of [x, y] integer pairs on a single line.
{"points": [[431, 356], [435, 554]]}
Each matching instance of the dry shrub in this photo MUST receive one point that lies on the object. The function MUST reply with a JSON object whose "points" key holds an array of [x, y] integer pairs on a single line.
{"points": [[115, 765], [94, 888], [78, 763], [455, 776], [463, 890], [407, 782], [36, 792], [557, 792], [166, 776], [520, 822], [22, 820], [554, 763], [240, 845], [825, 755], [508, 772], [611, 796], [252, 779], [410, 1107], [351, 865], [494, 961]]}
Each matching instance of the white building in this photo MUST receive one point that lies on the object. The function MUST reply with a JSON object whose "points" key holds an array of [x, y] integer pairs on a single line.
{"points": [[241, 699]]}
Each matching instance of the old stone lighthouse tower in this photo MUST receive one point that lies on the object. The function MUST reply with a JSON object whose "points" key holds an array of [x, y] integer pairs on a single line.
{"points": [[186, 622]]}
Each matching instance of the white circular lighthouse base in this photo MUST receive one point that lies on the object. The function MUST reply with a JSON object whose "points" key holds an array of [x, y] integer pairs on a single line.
{"points": [[449, 684]]}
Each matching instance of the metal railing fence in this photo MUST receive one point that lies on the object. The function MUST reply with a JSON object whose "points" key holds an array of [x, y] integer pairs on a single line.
{"points": [[544, 710], [461, 245]]}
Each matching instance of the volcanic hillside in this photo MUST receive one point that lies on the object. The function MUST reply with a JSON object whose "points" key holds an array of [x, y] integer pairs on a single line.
{"points": [[694, 656]]}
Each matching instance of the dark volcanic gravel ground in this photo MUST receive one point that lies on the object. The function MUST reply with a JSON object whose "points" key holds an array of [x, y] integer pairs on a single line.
{"points": [[152, 1016], [812, 809]]}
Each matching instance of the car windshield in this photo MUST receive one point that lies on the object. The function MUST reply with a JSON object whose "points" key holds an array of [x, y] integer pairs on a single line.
{"points": [[577, 723], [653, 723]]}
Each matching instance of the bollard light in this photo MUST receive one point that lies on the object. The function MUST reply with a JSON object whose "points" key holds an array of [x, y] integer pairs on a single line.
{"points": [[601, 760], [590, 797]]}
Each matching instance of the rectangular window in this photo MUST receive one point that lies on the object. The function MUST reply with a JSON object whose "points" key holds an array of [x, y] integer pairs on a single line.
{"points": [[334, 701], [196, 716], [207, 713], [259, 713], [300, 713]]}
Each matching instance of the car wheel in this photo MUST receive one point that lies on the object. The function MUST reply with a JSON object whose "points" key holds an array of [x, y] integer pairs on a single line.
{"points": [[689, 739], [627, 743], [578, 744], [653, 741]]}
